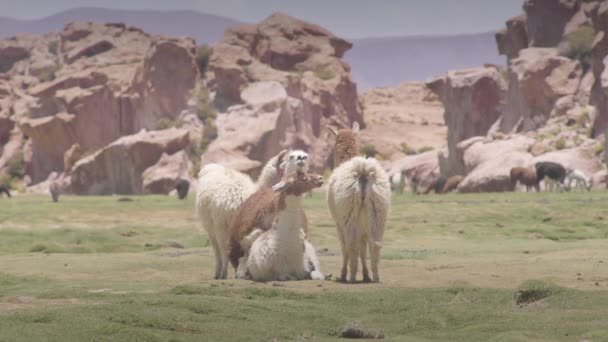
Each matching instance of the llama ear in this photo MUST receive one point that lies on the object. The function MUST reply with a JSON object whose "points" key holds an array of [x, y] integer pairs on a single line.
{"points": [[280, 156], [280, 186], [355, 127], [332, 131]]}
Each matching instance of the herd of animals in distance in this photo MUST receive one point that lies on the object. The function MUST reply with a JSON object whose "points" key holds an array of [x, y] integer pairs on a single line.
{"points": [[261, 230]]}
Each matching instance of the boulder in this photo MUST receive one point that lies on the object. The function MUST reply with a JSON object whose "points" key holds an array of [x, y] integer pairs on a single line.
{"points": [[118, 167], [421, 166], [307, 62], [488, 163], [162, 177], [473, 102], [513, 38], [538, 78], [582, 158], [256, 131]]}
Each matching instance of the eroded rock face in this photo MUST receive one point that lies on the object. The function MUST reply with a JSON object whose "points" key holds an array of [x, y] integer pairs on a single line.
{"points": [[513, 38], [268, 122], [599, 61], [547, 20], [473, 102], [118, 167], [538, 78], [306, 60], [104, 81]]}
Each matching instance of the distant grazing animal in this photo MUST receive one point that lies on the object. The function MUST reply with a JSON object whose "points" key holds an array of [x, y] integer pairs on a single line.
{"points": [[221, 190], [525, 176], [358, 195], [182, 186], [553, 171], [275, 245], [398, 182], [451, 184], [436, 184], [4, 190], [55, 191], [581, 181]]}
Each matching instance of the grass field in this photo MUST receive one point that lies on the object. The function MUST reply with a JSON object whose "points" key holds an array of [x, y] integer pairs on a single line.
{"points": [[479, 267]]}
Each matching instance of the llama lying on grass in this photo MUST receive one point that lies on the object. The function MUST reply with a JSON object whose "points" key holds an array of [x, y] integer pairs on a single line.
{"points": [[359, 196], [581, 181], [221, 191], [436, 184], [554, 172], [525, 176], [270, 219]]}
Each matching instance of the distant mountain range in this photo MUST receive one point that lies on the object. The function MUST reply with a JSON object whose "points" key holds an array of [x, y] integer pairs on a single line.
{"points": [[205, 28], [375, 62]]}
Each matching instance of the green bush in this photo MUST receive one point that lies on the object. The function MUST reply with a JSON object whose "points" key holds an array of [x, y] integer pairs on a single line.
{"points": [[203, 55], [207, 114], [324, 74], [368, 150], [53, 47], [579, 44], [425, 149], [165, 123], [405, 148], [49, 74], [16, 166], [560, 144]]}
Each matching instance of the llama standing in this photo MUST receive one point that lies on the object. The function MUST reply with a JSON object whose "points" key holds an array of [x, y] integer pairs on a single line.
{"points": [[280, 251], [358, 196], [580, 180]]}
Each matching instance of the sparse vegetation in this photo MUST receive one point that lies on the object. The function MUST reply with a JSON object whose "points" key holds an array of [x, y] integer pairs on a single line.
{"points": [[324, 73], [368, 150], [53, 47], [207, 114], [599, 149], [560, 143], [197, 148], [165, 123], [50, 73], [16, 166], [425, 149], [407, 150], [578, 46], [203, 55]]}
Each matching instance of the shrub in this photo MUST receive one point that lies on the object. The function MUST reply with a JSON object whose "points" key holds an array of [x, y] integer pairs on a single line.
{"points": [[405, 148], [324, 74], [165, 123], [49, 74], [579, 44], [203, 54], [16, 166], [599, 148], [53, 47], [368, 150], [207, 114], [425, 149], [560, 143], [197, 148]]}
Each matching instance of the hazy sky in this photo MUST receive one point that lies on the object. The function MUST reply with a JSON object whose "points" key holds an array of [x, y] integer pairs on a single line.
{"points": [[347, 18]]}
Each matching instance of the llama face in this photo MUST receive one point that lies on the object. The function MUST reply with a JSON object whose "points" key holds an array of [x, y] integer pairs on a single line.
{"points": [[298, 182], [296, 160]]}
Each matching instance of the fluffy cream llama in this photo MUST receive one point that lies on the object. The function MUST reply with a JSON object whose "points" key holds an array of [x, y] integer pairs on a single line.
{"points": [[359, 196], [221, 191], [280, 250]]}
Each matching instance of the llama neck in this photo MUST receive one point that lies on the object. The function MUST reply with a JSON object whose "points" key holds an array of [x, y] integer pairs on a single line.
{"points": [[288, 221]]}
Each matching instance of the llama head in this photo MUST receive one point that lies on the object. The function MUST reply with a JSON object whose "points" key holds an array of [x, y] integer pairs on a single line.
{"points": [[297, 183], [347, 145], [296, 160]]}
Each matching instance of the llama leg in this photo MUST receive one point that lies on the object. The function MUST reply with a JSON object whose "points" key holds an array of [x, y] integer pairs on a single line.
{"points": [[363, 253], [218, 256], [353, 261], [377, 214]]}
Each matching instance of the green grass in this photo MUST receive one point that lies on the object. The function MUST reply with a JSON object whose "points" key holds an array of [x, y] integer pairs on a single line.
{"points": [[474, 267]]}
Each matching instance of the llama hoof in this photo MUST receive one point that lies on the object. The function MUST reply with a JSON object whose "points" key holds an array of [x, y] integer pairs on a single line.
{"points": [[367, 279], [328, 276]]}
